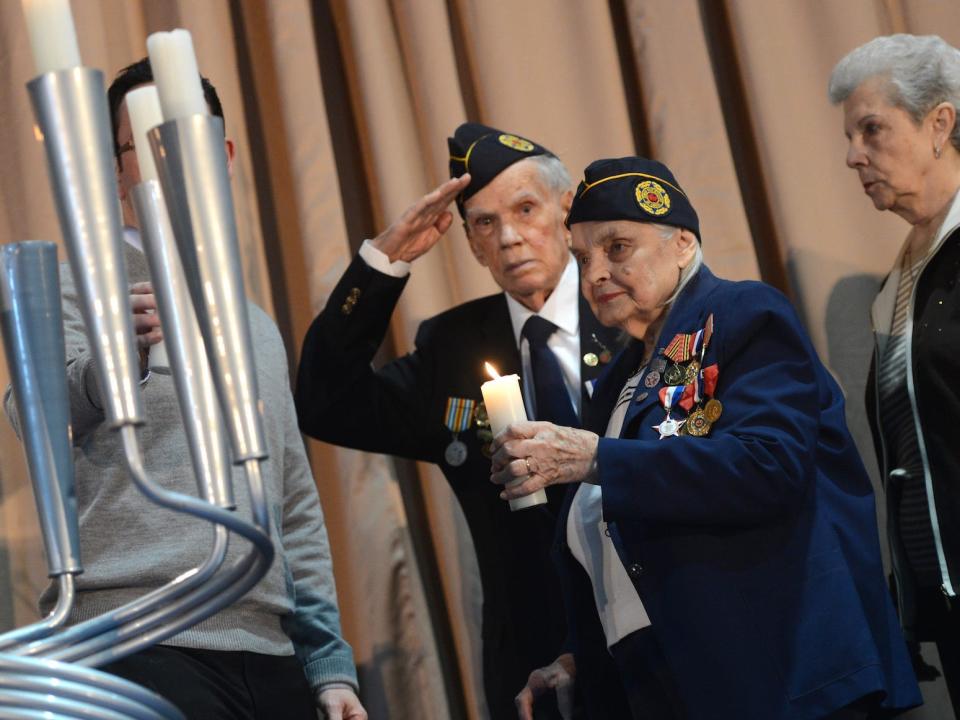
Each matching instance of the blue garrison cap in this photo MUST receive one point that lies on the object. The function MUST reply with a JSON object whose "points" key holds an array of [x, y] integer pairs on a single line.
{"points": [[632, 188], [485, 152]]}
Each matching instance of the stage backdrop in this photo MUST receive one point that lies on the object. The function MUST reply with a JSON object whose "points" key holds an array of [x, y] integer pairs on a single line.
{"points": [[341, 109]]}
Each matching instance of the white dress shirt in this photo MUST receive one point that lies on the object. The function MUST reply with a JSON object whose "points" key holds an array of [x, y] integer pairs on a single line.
{"points": [[563, 310], [618, 604], [379, 261]]}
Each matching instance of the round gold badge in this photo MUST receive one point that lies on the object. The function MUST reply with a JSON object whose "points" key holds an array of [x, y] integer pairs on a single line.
{"points": [[652, 198], [515, 143], [697, 423], [713, 409]]}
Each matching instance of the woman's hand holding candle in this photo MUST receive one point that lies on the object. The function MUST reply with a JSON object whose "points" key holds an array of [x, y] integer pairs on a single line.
{"points": [[539, 454], [504, 404]]}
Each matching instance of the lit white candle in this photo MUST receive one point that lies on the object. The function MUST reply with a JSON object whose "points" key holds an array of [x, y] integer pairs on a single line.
{"points": [[143, 106], [504, 404], [53, 37], [175, 71]]}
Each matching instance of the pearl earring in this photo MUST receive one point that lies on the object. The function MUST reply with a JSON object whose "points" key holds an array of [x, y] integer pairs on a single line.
{"points": [[936, 152]]}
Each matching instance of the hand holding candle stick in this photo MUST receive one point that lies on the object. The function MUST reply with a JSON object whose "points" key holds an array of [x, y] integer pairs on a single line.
{"points": [[504, 404]]}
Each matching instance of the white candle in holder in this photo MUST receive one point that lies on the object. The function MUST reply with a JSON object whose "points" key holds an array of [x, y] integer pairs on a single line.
{"points": [[504, 404], [143, 106], [53, 37], [174, 66]]}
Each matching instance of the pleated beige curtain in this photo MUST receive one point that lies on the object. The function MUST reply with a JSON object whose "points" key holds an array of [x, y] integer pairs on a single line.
{"points": [[341, 109]]}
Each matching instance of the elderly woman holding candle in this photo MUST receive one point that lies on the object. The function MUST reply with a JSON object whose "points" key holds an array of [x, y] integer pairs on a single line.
{"points": [[900, 96], [718, 543]]}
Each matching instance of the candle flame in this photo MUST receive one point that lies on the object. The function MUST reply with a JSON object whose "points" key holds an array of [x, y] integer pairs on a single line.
{"points": [[491, 371]]}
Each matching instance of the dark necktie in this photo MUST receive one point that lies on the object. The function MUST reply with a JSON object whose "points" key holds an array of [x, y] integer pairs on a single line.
{"points": [[551, 398]]}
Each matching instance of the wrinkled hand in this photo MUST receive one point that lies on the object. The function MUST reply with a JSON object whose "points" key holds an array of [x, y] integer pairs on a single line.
{"points": [[146, 321], [544, 453], [341, 704], [558, 676], [422, 224]]}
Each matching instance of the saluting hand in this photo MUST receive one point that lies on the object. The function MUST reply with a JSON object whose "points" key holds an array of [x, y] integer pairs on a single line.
{"points": [[422, 224], [544, 453]]}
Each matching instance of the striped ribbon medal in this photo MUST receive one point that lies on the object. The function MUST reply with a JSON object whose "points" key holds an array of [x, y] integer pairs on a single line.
{"points": [[457, 418], [669, 396]]}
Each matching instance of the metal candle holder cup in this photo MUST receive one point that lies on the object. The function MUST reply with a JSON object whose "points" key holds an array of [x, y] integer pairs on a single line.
{"points": [[71, 112], [188, 360], [32, 324], [192, 165]]}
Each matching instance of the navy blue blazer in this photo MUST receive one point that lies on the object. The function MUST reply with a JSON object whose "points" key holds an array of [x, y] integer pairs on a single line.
{"points": [[754, 549], [400, 409]]}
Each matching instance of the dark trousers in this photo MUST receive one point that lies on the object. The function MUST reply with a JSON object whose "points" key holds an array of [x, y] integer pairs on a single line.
{"points": [[948, 646], [939, 622], [649, 686], [215, 685]]}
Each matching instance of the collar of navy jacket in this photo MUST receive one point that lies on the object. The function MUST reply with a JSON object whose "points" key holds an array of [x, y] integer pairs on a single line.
{"points": [[688, 314]]}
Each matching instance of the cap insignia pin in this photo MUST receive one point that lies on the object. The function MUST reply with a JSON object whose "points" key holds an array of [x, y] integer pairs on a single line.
{"points": [[515, 143], [652, 198]]}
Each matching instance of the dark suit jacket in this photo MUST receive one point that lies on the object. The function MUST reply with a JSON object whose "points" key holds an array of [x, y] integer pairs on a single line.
{"points": [[754, 549], [935, 360], [399, 409]]}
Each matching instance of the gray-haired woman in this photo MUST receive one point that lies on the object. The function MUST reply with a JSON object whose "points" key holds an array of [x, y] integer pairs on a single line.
{"points": [[900, 96]]}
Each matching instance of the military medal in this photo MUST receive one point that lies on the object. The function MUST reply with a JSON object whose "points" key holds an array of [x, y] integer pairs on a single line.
{"points": [[669, 427], [484, 433], [712, 410], [697, 423], [651, 379], [691, 372], [591, 359], [674, 375], [455, 454], [680, 349], [659, 364], [605, 355], [457, 418]]}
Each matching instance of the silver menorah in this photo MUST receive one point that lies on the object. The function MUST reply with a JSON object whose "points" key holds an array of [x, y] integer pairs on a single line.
{"points": [[47, 669]]}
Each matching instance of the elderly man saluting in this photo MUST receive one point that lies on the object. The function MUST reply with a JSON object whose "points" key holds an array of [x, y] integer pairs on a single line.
{"points": [[719, 540], [513, 195]]}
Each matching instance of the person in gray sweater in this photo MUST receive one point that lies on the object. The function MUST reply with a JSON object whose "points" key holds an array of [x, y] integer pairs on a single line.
{"points": [[279, 650]]}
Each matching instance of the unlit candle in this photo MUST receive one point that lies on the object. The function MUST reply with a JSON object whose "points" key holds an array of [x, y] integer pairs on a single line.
{"points": [[175, 71], [53, 37], [143, 106]]}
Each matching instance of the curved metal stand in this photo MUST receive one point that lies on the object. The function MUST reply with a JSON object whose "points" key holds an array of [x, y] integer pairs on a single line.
{"points": [[71, 114]]}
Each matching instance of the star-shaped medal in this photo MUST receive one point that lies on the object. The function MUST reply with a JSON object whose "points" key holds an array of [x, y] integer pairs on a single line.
{"points": [[668, 427]]}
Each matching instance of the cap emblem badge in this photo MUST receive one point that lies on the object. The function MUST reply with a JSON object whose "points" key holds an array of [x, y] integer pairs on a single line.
{"points": [[515, 143], [652, 198]]}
